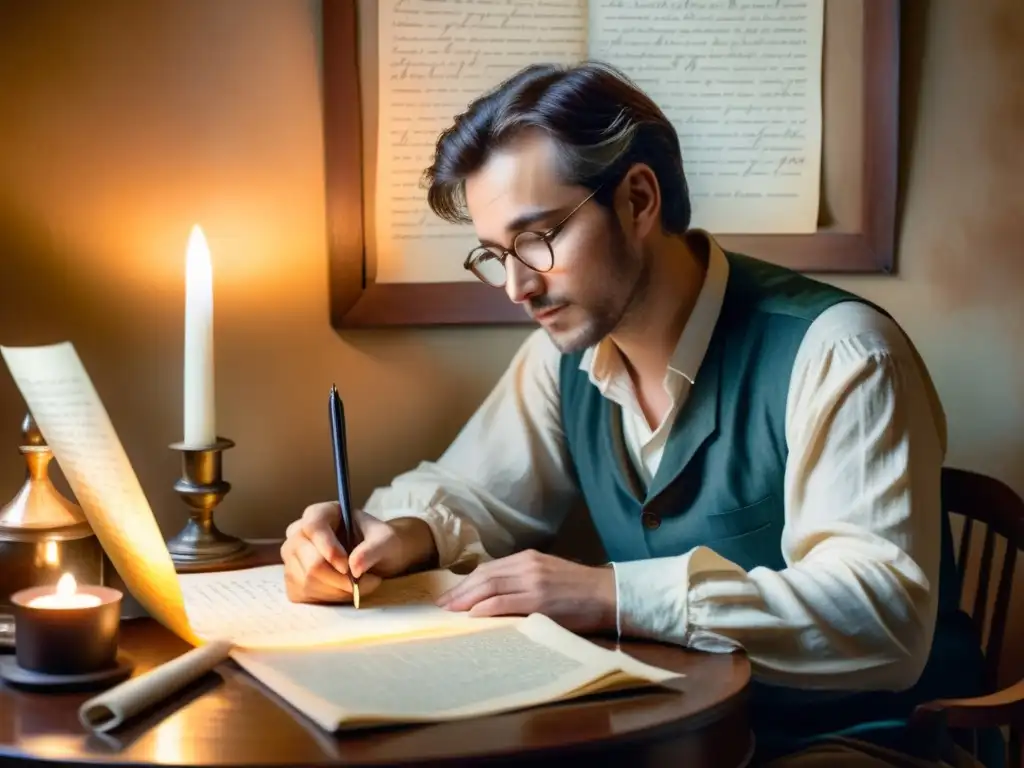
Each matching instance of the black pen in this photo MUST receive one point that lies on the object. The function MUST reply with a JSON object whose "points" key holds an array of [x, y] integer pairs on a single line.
{"points": [[347, 530]]}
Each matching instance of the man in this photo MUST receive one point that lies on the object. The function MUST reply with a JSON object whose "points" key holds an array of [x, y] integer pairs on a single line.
{"points": [[760, 453]]}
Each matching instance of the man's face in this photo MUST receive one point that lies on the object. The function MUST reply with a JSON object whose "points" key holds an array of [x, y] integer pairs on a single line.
{"points": [[598, 273]]}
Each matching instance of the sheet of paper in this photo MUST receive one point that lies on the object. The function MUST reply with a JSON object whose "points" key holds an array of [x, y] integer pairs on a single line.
{"points": [[72, 419], [430, 676], [497, 668], [741, 82], [434, 58], [251, 608]]}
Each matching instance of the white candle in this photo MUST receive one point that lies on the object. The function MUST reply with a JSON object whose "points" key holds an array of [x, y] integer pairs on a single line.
{"points": [[200, 420], [65, 596]]}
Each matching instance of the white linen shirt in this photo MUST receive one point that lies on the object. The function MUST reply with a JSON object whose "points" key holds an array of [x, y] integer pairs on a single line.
{"points": [[855, 606]]}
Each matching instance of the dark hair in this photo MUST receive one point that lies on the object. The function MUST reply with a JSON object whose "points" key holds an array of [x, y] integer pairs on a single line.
{"points": [[602, 124]]}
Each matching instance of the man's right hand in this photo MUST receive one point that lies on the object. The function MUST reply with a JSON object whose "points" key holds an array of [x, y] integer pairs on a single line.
{"points": [[316, 566]]}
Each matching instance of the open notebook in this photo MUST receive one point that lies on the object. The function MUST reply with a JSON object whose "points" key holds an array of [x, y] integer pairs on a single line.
{"points": [[399, 659]]}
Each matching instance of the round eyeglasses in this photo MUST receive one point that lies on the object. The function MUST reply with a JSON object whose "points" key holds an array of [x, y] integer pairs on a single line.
{"points": [[532, 249]]}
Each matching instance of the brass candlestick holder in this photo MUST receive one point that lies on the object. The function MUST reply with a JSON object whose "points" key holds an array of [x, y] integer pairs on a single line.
{"points": [[200, 545]]}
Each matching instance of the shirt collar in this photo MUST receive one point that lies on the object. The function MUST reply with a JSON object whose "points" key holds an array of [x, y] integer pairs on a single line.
{"points": [[602, 360]]}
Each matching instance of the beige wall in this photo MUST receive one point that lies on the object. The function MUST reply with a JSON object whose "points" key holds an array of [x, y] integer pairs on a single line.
{"points": [[121, 128], [123, 123]]}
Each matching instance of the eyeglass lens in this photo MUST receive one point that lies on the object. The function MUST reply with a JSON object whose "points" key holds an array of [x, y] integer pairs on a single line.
{"points": [[531, 249]]}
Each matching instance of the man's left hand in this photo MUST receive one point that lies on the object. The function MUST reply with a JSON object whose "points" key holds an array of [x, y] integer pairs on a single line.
{"points": [[581, 598]]}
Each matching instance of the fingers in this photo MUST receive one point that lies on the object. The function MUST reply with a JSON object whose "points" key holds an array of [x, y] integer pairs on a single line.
{"points": [[314, 560], [313, 567], [464, 597], [378, 541], [310, 578], [508, 585], [301, 588], [364, 557], [508, 575], [520, 604], [318, 524], [304, 586], [368, 582], [316, 565], [368, 554]]}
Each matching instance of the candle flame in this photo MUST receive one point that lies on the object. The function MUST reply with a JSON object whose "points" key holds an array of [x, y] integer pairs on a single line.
{"points": [[67, 585], [197, 258], [50, 553]]}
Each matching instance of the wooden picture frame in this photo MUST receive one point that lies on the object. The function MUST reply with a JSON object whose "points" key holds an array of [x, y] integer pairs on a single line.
{"points": [[865, 244]]}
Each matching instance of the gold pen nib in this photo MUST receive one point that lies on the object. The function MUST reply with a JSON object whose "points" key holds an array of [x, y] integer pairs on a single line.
{"points": [[355, 594]]}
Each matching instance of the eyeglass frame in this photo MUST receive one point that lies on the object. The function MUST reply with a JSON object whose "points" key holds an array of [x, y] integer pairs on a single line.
{"points": [[547, 236]]}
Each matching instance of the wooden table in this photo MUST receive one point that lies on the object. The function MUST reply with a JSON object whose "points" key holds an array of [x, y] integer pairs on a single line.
{"points": [[230, 719]]}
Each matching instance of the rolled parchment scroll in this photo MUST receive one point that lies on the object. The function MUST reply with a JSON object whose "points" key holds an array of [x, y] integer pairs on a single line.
{"points": [[110, 709]]}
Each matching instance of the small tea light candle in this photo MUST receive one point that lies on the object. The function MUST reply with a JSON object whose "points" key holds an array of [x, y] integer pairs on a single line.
{"points": [[66, 595], [66, 629]]}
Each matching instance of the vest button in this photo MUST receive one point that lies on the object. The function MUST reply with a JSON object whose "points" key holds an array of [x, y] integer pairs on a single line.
{"points": [[650, 520]]}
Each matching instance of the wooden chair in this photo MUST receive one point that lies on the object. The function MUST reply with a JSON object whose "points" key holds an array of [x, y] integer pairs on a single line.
{"points": [[995, 506]]}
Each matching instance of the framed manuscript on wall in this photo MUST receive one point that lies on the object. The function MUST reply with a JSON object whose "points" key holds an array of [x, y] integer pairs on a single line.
{"points": [[786, 111]]}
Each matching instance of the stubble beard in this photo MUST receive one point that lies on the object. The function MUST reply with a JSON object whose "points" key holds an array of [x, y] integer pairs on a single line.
{"points": [[632, 270]]}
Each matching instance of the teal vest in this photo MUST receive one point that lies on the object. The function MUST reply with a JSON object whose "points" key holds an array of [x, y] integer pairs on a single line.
{"points": [[720, 484]]}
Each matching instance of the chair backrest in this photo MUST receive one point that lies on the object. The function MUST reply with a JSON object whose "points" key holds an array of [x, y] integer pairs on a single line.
{"points": [[983, 500]]}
